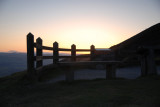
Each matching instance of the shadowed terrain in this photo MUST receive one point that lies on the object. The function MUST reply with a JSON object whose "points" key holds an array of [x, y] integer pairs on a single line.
{"points": [[148, 37], [17, 92]]}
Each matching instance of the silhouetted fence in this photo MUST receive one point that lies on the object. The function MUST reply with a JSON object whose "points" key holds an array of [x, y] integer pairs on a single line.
{"points": [[39, 57], [32, 70], [146, 57]]}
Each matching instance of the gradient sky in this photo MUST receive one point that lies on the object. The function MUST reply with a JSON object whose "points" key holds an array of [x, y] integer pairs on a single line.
{"points": [[82, 22]]}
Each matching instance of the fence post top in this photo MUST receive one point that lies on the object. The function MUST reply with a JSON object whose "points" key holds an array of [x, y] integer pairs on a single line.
{"points": [[55, 42], [92, 46], [30, 34], [39, 39], [73, 46]]}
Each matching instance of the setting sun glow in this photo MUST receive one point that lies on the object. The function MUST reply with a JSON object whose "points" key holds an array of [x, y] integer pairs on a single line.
{"points": [[102, 23]]}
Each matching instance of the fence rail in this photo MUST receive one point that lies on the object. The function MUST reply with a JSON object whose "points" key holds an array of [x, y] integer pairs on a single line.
{"points": [[146, 54], [55, 49], [38, 45], [32, 70]]}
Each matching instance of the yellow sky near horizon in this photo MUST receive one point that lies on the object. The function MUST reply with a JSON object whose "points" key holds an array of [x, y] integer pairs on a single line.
{"points": [[103, 23], [83, 37]]}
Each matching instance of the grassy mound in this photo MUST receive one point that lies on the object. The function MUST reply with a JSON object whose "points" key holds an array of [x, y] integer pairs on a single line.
{"points": [[16, 91]]}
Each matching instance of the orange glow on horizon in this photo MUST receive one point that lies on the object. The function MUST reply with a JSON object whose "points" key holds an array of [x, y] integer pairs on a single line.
{"points": [[103, 23], [82, 33]]}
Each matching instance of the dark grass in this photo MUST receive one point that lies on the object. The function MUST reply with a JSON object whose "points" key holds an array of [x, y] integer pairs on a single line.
{"points": [[16, 91], [55, 72], [51, 73]]}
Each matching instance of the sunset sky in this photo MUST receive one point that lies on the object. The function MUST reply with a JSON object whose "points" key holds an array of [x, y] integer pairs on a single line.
{"points": [[82, 22]]}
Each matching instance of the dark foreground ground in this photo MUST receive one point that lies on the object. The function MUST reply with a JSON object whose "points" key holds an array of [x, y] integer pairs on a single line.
{"points": [[16, 91]]}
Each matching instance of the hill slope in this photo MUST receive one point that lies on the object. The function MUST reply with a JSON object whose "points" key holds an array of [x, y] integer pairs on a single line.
{"points": [[148, 37], [15, 91]]}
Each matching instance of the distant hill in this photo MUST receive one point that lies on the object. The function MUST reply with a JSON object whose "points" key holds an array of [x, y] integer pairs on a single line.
{"points": [[12, 61], [148, 37]]}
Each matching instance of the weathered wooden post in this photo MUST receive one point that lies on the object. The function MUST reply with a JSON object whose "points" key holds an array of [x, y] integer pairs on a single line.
{"points": [[110, 71], [39, 63], [151, 62], [30, 56], [73, 52], [69, 75], [143, 59], [70, 72], [143, 65], [148, 65], [92, 52], [55, 53]]}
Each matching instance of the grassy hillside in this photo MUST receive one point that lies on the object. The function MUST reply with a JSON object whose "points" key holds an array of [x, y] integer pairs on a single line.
{"points": [[148, 37], [16, 91], [127, 49]]}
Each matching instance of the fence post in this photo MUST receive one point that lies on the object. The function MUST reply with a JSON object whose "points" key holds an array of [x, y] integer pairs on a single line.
{"points": [[142, 51], [151, 62], [92, 52], [70, 72], [30, 56], [55, 53], [69, 75], [73, 52], [39, 52], [148, 66], [110, 71], [143, 65]]}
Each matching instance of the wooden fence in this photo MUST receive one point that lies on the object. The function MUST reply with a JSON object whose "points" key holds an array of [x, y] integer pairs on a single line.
{"points": [[39, 57], [31, 58], [146, 57]]}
